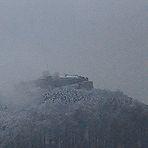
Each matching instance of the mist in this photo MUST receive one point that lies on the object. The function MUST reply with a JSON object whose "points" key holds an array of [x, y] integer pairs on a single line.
{"points": [[104, 40]]}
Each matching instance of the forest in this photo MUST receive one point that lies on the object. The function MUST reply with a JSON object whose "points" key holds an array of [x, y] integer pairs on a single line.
{"points": [[73, 118]]}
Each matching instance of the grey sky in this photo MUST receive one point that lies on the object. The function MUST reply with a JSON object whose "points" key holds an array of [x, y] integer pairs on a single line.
{"points": [[107, 40]]}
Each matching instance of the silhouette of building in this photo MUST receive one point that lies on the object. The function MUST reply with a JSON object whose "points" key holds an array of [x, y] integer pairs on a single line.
{"points": [[54, 81]]}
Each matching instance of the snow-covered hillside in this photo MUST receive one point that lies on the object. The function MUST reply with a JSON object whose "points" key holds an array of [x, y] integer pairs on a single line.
{"points": [[71, 118]]}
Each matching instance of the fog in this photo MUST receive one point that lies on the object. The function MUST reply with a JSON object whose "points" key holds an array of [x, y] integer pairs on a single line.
{"points": [[104, 40]]}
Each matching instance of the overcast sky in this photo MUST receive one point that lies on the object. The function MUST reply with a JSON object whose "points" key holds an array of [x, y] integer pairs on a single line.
{"points": [[106, 40]]}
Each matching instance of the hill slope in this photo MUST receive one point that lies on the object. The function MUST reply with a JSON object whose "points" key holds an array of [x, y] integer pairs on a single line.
{"points": [[71, 118]]}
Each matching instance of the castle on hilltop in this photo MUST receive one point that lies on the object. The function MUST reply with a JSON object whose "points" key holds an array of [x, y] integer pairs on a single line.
{"points": [[54, 81]]}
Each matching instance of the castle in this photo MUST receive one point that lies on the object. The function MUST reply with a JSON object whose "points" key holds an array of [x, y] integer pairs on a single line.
{"points": [[54, 81]]}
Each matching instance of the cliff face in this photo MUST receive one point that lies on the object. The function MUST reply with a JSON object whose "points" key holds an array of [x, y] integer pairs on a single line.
{"points": [[73, 118]]}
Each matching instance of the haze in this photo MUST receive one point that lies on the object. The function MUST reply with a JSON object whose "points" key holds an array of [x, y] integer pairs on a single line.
{"points": [[104, 40]]}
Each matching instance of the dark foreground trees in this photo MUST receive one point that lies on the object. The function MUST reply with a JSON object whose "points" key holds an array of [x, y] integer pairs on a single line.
{"points": [[71, 118]]}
